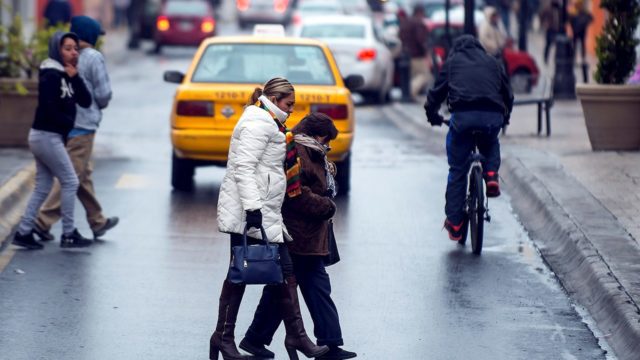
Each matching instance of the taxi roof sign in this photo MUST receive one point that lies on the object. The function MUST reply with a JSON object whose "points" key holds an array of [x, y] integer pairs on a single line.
{"points": [[268, 30]]}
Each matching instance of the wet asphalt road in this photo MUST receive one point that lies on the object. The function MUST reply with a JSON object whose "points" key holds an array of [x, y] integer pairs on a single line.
{"points": [[404, 291]]}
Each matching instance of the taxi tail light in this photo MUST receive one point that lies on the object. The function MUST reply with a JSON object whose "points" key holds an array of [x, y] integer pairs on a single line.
{"points": [[334, 111], [297, 19], [242, 5], [194, 108], [163, 23], [280, 5], [208, 25], [367, 54]]}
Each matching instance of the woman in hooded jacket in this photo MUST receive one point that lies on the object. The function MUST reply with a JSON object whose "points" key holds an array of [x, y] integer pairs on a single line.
{"points": [[60, 88], [251, 196]]}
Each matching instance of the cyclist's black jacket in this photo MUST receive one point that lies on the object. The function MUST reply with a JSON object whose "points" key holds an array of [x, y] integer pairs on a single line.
{"points": [[472, 80]]}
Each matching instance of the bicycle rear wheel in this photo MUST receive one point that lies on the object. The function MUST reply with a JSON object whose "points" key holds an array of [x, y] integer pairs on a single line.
{"points": [[476, 210]]}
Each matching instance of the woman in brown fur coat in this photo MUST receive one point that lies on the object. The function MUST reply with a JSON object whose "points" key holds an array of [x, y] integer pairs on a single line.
{"points": [[306, 211]]}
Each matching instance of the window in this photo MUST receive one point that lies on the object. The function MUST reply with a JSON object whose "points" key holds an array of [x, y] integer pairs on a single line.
{"points": [[257, 63], [333, 31]]}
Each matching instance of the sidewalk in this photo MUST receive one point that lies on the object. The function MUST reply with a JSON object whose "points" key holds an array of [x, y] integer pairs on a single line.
{"points": [[581, 208]]}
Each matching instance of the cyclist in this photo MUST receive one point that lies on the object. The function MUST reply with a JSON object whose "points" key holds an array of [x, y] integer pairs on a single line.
{"points": [[480, 100]]}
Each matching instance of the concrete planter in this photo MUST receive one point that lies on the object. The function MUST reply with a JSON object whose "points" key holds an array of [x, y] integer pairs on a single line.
{"points": [[16, 111], [612, 115]]}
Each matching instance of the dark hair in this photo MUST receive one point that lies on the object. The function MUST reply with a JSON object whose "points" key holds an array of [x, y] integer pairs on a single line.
{"points": [[278, 87], [316, 124]]}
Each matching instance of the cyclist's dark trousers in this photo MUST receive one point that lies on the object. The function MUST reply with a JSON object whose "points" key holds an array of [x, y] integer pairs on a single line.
{"points": [[459, 145], [315, 286]]}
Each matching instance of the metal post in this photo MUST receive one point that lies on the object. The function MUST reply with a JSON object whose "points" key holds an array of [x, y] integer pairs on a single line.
{"points": [[564, 79], [469, 21], [523, 16], [404, 70], [447, 24]]}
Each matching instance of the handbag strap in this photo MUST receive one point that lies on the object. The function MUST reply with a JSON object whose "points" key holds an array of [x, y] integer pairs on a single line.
{"points": [[244, 237]]}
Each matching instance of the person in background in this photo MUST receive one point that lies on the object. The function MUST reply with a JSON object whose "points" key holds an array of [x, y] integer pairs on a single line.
{"points": [[60, 88], [251, 196], [120, 12], [306, 214], [491, 34], [550, 21], [57, 12], [93, 70], [580, 19], [413, 34]]}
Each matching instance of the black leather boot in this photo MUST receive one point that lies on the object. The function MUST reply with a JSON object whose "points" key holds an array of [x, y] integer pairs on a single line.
{"points": [[222, 339], [296, 339]]}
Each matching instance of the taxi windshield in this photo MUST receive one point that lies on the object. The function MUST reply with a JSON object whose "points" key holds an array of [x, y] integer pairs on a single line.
{"points": [[257, 63]]}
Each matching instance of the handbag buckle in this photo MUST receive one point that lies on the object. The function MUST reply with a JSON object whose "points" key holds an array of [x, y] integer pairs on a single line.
{"points": [[245, 263]]}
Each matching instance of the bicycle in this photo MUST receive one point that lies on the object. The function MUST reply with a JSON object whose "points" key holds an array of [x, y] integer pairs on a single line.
{"points": [[476, 204]]}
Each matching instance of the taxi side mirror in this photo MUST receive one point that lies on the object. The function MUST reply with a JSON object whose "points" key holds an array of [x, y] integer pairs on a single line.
{"points": [[353, 82], [172, 76]]}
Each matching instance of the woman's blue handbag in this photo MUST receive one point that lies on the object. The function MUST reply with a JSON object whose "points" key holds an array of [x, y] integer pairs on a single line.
{"points": [[255, 264]]}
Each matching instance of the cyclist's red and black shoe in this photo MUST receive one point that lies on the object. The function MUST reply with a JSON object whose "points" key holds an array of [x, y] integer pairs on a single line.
{"points": [[455, 231], [493, 184]]}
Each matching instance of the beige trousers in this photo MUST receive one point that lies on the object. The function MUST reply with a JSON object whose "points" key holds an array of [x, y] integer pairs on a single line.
{"points": [[79, 149], [420, 76]]}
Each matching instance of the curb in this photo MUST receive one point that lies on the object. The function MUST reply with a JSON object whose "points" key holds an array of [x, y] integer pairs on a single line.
{"points": [[14, 195], [567, 245]]}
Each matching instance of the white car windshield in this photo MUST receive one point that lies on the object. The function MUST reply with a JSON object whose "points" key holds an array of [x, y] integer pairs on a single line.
{"points": [[257, 63], [333, 31]]}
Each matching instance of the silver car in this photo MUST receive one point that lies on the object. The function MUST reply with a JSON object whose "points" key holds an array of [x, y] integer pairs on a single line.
{"points": [[358, 48], [263, 11]]}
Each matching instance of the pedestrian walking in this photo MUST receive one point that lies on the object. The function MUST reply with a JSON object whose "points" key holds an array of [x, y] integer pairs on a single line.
{"points": [[251, 196], [57, 12], [92, 69], [492, 34], [413, 34], [550, 21], [306, 214], [478, 93], [580, 19], [60, 88], [120, 8]]}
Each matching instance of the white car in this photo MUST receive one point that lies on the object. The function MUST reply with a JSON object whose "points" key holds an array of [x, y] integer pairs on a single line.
{"points": [[358, 48]]}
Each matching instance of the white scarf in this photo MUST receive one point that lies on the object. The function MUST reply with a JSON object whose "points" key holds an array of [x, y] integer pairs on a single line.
{"points": [[281, 115]]}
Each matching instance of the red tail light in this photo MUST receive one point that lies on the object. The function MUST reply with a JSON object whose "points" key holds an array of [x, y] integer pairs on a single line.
{"points": [[334, 111], [208, 25], [194, 108], [163, 23], [242, 5], [297, 19], [367, 54], [280, 5]]}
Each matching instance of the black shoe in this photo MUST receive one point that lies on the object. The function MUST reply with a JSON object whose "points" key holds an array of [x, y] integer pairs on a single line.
{"points": [[110, 224], [26, 241], [336, 353], [74, 240], [256, 350], [44, 235]]}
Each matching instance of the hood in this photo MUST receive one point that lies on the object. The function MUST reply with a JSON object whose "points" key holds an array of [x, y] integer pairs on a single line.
{"points": [[466, 44], [56, 41], [86, 28]]}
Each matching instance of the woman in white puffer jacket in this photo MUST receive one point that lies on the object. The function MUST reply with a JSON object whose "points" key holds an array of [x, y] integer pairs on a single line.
{"points": [[251, 195]]}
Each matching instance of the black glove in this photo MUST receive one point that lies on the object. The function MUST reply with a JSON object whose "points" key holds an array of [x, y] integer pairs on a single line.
{"points": [[435, 119], [254, 218]]}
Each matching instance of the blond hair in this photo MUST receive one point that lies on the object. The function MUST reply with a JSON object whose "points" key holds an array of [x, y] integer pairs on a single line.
{"points": [[278, 87]]}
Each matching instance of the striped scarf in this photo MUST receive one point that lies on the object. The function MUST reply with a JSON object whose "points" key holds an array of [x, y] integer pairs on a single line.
{"points": [[291, 161]]}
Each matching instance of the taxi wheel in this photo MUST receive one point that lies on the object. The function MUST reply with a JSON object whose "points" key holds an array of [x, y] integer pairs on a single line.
{"points": [[182, 172], [343, 178]]}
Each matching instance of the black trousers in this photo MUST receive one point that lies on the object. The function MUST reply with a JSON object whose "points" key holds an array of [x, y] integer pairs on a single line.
{"points": [[315, 286]]}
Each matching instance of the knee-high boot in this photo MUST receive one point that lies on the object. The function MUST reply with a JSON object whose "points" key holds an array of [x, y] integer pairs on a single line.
{"points": [[222, 339], [296, 339]]}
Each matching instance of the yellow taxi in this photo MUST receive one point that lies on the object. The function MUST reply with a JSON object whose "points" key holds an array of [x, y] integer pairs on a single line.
{"points": [[220, 80]]}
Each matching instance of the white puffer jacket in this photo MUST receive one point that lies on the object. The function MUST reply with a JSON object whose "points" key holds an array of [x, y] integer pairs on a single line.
{"points": [[255, 177]]}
